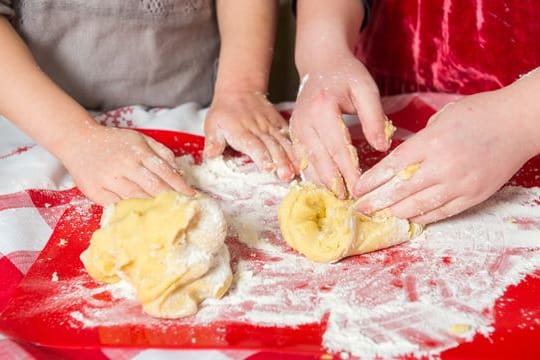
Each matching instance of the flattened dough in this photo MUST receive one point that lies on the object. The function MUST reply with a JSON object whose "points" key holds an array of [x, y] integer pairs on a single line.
{"points": [[317, 224], [170, 249]]}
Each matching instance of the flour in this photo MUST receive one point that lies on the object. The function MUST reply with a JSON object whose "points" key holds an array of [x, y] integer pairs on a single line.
{"points": [[421, 297]]}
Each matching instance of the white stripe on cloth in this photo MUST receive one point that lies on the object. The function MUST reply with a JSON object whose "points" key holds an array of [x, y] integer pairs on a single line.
{"points": [[22, 229], [193, 355]]}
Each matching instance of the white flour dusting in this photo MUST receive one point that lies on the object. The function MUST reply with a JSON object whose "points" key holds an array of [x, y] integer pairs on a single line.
{"points": [[421, 297]]}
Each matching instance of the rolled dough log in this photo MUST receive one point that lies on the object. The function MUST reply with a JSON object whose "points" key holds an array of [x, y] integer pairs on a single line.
{"points": [[170, 249], [317, 224]]}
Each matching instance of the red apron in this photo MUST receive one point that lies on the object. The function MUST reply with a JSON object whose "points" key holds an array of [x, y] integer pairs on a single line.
{"points": [[456, 46]]}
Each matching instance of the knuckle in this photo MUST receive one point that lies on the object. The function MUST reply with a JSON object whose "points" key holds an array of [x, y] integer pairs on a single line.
{"points": [[443, 213], [420, 206]]}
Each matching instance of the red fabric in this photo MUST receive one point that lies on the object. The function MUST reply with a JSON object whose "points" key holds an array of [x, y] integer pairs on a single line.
{"points": [[455, 46], [10, 276]]}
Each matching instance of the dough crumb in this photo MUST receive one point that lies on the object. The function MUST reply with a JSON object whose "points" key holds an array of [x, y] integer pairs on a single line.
{"points": [[408, 172], [389, 129], [460, 329]]}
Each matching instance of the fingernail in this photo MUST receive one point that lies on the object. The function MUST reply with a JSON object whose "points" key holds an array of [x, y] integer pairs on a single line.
{"points": [[282, 174], [293, 171], [357, 191], [383, 143], [207, 149], [362, 206], [269, 167]]}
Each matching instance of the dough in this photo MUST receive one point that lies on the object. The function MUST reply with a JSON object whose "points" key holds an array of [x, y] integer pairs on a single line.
{"points": [[170, 249], [389, 129], [317, 224]]}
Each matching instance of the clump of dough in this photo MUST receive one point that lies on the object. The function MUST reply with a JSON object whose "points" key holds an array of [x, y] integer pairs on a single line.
{"points": [[170, 249], [322, 227], [389, 129]]}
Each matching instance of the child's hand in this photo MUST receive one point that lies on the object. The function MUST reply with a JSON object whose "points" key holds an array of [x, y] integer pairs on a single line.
{"points": [[467, 152], [249, 123], [110, 164], [320, 139]]}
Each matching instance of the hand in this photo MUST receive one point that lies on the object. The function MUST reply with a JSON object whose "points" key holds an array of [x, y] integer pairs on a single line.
{"points": [[249, 123], [467, 152], [110, 164], [320, 138]]}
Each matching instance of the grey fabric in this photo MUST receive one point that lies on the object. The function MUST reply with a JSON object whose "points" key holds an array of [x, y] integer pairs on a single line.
{"points": [[111, 53], [5, 8]]}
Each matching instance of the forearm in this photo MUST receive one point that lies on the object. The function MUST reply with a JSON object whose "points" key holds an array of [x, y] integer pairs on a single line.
{"points": [[520, 101], [31, 100], [247, 30], [325, 29]]}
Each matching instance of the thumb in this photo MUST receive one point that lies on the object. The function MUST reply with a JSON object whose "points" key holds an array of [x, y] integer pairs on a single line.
{"points": [[367, 101], [214, 141]]}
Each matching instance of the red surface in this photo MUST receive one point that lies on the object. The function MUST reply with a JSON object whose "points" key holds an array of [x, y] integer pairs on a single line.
{"points": [[511, 338]]}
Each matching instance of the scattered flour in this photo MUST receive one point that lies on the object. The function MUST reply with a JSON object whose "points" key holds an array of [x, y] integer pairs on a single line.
{"points": [[421, 297]]}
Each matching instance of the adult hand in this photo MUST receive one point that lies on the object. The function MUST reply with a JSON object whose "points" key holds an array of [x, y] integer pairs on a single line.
{"points": [[467, 152]]}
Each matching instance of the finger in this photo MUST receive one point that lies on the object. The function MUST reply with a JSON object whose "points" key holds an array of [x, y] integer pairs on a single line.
{"points": [[127, 189], [164, 152], [449, 209], [422, 202], [387, 168], [367, 101], [281, 132], [279, 156], [309, 174], [337, 140], [250, 144], [214, 141], [276, 119], [105, 197], [282, 137], [301, 162], [319, 158], [164, 177], [148, 181], [403, 185]]}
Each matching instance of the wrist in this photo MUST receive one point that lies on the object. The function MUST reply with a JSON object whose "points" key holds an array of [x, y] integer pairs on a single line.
{"points": [[325, 32], [521, 116], [254, 83], [525, 108], [66, 140], [321, 60]]}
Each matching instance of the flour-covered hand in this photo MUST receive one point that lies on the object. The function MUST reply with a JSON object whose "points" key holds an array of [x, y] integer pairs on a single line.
{"points": [[110, 164], [322, 142], [249, 123], [467, 152]]}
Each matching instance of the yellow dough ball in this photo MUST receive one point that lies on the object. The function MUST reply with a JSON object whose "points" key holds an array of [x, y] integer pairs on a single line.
{"points": [[322, 227], [169, 248]]}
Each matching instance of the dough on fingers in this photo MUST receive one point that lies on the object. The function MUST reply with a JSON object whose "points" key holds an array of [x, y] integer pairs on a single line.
{"points": [[169, 248], [322, 227]]}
